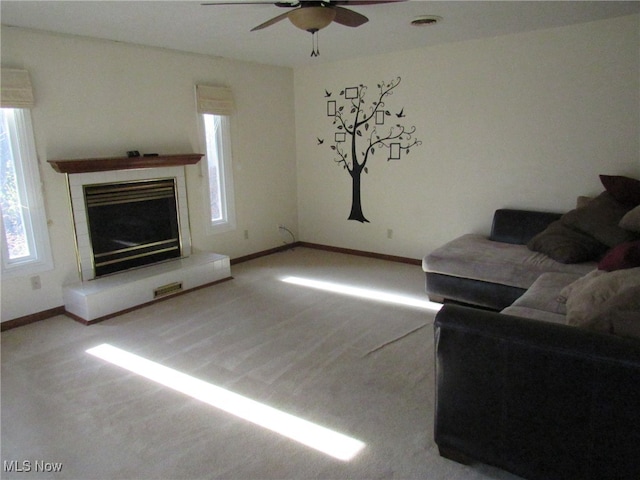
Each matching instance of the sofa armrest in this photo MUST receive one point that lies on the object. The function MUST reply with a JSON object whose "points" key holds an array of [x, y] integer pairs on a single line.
{"points": [[538, 399], [519, 226]]}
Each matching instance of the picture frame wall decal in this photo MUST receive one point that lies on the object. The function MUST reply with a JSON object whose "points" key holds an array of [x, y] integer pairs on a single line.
{"points": [[360, 133], [394, 151], [331, 108], [351, 93]]}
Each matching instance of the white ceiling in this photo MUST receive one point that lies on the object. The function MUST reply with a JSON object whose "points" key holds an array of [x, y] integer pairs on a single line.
{"points": [[224, 30]]}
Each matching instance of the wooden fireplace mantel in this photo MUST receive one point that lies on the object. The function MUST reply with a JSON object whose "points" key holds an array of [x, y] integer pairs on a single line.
{"points": [[85, 165]]}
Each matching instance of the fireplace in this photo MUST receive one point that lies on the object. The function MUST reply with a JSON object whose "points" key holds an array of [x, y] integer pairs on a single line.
{"points": [[132, 224], [131, 216], [128, 216]]}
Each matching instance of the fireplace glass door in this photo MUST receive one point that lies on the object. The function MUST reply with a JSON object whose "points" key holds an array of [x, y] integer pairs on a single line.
{"points": [[132, 224]]}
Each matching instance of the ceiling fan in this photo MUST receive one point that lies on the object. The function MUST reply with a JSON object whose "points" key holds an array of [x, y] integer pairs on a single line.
{"points": [[313, 15]]}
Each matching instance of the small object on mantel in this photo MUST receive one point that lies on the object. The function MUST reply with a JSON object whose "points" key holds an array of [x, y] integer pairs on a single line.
{"points": [[133, 153], [85, 165], [150, 155]]}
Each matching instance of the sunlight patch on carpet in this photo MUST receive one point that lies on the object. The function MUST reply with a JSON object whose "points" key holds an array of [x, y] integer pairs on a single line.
{"points": [[307, 433], [366, 293]]}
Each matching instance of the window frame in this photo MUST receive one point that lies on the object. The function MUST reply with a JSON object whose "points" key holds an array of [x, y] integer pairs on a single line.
{"points": [[225, 173], [23, 147]]}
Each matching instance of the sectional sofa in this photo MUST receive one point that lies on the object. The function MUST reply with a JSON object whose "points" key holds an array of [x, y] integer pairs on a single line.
{"points": [[538, 344]]}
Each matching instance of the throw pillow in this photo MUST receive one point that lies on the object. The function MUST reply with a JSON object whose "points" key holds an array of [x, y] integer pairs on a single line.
{"points": [[623, 313], [625, 255], [579, 284], [588, 300], [631, 220], [582, 201], [600, 219], [624, 189], [565, 245]]}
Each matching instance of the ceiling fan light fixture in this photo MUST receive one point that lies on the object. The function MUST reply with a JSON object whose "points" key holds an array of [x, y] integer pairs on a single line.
{"points": [[425, 20], [312, 19]]}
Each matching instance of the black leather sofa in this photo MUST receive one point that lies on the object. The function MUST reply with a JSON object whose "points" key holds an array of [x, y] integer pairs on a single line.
{"points": [[541, 400]]}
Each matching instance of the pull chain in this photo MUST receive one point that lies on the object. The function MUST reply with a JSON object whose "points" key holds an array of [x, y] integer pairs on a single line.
{"points": [[315, 52]]}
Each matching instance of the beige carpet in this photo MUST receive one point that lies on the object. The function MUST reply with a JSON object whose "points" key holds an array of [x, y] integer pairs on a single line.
{"points": [[360, 366]]}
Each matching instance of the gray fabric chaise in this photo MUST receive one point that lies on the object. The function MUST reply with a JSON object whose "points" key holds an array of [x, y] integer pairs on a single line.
{"points": [[492, 272]]}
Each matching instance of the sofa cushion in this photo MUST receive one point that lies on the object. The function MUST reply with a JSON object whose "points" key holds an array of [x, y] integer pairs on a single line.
{"points": [[541, 301], [476, 257], [566, 245], [535, 314], [598, 299], [600, 219], [544, 293], [624, 189], [519, 226], [631, 220], [625, 255]]}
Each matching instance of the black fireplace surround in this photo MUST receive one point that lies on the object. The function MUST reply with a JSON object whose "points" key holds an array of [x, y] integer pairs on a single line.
{"points": [[132, 224]]}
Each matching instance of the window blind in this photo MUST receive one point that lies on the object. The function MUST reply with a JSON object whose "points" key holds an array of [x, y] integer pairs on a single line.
{"points": [[214, 100], [15, 89]]}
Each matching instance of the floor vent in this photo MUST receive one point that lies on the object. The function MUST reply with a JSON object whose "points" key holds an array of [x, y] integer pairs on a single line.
{"points": [[167, 289]]}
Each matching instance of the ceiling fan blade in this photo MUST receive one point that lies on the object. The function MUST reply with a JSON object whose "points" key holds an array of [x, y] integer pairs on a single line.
{"points": [[238, 2], [293, 3], [364, 2], [268, 23], [349, 18]]}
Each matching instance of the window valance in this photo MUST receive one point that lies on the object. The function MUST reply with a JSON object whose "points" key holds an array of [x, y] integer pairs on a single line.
{"points": [[214, 100], [15, 89]]}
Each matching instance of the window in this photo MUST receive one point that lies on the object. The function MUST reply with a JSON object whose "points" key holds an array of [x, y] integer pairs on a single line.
{"points": [[219, 173], [25, 240]]}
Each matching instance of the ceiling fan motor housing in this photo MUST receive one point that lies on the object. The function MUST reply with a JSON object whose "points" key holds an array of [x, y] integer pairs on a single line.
{"points": [[313, 18]]}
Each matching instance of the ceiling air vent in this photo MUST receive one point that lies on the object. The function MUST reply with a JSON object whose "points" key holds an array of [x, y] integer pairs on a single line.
{"points": [[425, 20]]}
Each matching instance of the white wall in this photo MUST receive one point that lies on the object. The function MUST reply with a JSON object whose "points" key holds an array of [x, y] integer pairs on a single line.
{"points": [[96, 98], [525, 121]]}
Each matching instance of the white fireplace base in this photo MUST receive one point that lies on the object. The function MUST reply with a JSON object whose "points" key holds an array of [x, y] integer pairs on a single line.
{"points": [[95, 300]]}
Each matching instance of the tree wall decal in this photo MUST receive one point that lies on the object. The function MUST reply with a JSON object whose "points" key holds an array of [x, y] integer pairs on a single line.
{"points": [[361, 133]]}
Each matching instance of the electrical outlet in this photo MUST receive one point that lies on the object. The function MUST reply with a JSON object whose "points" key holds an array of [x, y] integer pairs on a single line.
{"points": [[246, 234], [389, 233], [35, 283]]}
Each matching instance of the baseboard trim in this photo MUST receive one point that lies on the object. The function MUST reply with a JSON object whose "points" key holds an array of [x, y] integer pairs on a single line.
{"points": [[264, 253], [32, 318], [36, 317], [328, 248], [360, 253]]}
